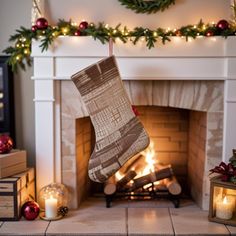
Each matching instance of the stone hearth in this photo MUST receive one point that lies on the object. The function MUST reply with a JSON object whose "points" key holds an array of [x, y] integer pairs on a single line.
{"points": [[132, 218], [199, 76]]}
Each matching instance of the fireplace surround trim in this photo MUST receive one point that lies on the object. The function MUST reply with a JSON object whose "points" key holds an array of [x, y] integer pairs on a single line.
{"points": [[202, 59]]}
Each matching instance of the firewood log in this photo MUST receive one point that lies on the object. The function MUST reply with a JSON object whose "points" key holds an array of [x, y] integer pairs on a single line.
{"points": [[126, 179], [173, 185], [110, 186], [151, 178]]}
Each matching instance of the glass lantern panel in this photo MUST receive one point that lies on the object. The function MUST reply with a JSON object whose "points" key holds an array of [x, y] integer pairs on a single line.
{"points": [[223, 195]]}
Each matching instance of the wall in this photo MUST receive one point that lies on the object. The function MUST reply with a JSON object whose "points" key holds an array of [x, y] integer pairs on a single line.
{"points": [[111, 12], [13, 14]]}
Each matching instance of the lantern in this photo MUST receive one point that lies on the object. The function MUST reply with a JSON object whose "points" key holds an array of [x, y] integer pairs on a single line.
{"points": [[52, 198], [222, 201]]}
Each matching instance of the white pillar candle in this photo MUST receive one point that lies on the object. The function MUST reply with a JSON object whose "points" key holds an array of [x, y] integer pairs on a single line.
{"points": [[224, 209], [51, 207]]}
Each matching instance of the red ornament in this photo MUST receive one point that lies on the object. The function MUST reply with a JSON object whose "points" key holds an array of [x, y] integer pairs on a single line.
{"points": [[42, 23], [83, 25], [178, 33], [135, 110], [77, 33], [222, 25], [6, 144], [30, 210], [34, 28], [209, 33]]}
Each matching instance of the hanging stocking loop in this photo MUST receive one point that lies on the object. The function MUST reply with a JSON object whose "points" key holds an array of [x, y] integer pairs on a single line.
{"points": [[110, 47]]}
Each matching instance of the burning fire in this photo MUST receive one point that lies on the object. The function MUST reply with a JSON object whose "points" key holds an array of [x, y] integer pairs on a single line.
{"points": [[118, 176], [149, 155], [148, 165]]}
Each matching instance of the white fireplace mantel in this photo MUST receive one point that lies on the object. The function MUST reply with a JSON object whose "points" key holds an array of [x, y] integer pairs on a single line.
{"points": [[212, 58]]}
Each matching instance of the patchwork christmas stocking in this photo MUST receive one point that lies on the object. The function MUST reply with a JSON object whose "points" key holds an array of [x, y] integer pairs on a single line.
{"points": [[119, 133]]}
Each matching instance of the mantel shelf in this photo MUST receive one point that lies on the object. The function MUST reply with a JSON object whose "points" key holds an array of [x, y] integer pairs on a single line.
{"points": [[86, 46]]}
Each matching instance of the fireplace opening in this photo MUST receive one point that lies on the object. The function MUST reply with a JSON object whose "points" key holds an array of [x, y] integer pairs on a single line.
{"points": [[178, 140]]}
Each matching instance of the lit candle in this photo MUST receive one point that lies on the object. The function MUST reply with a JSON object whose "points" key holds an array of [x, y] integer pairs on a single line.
{"points": [[224, 209], [51, 207]]}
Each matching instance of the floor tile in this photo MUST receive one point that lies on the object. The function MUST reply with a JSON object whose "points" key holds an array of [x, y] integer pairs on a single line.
{"points": [[101, 202], [24, 228], [90, 222], [232, 230], [149, 221], [193, 221]]}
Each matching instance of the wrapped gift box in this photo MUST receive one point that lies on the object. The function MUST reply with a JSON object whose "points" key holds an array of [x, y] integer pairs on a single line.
{"points": [[14, 192], [12, 163]]}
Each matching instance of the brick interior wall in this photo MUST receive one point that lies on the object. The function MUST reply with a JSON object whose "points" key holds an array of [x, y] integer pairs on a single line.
{"points": [[168, 128], [179, 138], [197, 153], [83, 149]]}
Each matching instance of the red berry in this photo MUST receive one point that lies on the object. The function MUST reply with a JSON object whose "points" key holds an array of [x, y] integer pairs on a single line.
{"points": [[77, 33], [34, 28]]}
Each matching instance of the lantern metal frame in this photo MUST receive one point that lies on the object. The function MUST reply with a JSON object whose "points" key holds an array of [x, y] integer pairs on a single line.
{"points": [[217, 182]]}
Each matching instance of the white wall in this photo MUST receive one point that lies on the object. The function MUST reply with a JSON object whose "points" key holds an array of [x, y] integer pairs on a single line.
{"points": [[111, 12], [15, 13]]}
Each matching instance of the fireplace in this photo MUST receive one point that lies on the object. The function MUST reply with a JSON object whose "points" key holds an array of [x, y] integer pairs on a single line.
{"points": [[195, 80]]}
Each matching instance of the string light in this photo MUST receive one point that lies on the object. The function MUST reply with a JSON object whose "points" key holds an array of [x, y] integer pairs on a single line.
{"points": [[168, 29], [103, 32], [26, 51], [65, 30]]}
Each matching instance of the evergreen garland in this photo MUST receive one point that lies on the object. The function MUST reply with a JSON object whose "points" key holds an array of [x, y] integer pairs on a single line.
{"points": [[146, 6], [21, 50]]}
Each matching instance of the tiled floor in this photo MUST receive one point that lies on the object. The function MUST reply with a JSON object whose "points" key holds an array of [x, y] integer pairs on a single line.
{"points": [[124, 218]]}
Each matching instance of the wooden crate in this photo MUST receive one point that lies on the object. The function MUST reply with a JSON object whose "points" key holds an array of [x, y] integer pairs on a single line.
{"points": [[12, 163], [14, 192]]}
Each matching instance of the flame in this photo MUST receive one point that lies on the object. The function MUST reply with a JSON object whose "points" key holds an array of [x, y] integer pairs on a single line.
{"points": [[225, 200], [149, 154]]}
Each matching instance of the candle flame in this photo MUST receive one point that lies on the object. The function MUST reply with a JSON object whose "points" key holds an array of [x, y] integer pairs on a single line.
{"points": [[225, 200]]}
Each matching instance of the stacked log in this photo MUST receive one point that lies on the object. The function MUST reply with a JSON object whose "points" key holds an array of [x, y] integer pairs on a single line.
{"points": [[130, 184]]}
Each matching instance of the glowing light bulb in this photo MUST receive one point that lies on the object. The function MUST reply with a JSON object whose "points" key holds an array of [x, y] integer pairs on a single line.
{"points": [[155, 34], [64, 30], [26, 51], [168, 29]]}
